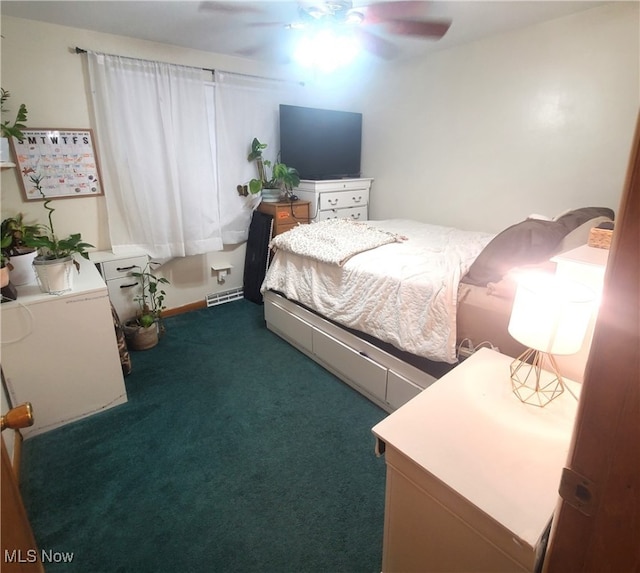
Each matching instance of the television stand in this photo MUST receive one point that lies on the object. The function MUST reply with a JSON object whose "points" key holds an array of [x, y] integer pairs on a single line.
{"points": [[336, 198]]}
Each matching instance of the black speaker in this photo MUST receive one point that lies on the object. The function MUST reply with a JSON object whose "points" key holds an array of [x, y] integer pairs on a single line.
{"points": [[256, 258]]}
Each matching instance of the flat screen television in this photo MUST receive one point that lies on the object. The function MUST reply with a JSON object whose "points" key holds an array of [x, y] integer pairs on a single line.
{"points": [[321, 143]]}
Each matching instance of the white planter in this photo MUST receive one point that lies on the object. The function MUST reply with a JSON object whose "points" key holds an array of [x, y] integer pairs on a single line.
{"points": [[22, 272], [54, 276], [271, 195]]}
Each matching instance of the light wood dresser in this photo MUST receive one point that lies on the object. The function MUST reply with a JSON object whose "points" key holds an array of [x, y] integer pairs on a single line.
{"points": [[286, 214]]}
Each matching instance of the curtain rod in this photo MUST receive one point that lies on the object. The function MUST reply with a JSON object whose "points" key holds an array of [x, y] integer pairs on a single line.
{"points": [[213, 71], [83, 51]]}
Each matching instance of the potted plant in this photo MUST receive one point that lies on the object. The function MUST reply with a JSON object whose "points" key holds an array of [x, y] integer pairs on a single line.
{"points": [[54, 261], [10, 128], [142, 331], [4, 262], [282, 180], [15, 235]]}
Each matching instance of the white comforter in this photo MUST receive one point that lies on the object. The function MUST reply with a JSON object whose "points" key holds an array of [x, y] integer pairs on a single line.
{"points": [[404, 293]]}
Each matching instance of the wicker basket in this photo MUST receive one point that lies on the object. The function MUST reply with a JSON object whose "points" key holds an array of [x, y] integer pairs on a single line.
{"points": [[600, 238]]}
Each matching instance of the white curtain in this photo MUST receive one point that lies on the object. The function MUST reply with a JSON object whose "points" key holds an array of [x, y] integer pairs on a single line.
{"points": [[157, 156], [246, 107]]}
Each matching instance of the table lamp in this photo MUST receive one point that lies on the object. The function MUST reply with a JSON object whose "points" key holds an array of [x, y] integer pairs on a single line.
{"points": [[550, 316]]}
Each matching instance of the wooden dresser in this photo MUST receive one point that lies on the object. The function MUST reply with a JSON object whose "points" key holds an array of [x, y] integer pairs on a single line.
{"points": [[286, 214]]}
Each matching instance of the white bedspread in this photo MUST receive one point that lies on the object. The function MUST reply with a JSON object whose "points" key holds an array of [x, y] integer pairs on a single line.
{"points": [[333, 241], [404, 293]]}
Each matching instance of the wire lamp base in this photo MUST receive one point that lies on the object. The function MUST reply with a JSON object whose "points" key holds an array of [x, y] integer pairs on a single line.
{"points": [[535, 378]]}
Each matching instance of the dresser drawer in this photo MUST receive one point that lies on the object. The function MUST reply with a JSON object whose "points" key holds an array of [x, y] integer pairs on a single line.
{"points": [[341, 199], [353, 365], [355, 213], [121, 293], [292, 214], [334, 185], [286, 214], [123, 267]]}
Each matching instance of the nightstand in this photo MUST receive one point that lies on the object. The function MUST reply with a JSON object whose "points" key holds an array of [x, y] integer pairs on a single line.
{"points": [[286, 214], [472, 472]]}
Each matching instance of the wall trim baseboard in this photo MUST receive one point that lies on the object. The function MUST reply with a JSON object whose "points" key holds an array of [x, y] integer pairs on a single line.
{"points": [[186, 308]]}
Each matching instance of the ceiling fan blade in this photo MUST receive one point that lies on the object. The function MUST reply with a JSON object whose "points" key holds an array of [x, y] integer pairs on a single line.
{"points": [[268, 24], [401, 10], [429, 29], [268, 52], [376, 45], [229, 7]]}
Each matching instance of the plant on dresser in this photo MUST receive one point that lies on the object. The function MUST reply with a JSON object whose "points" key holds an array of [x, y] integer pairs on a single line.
{"points": [[4, 262], [143, 330], [15, 235], [55, 260], [283, 178]]}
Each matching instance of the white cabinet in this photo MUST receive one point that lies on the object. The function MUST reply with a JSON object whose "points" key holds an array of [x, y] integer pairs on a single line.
{"points": [[336, 198], [472, 472], [122, 287], [59, 352], [381, 377]]}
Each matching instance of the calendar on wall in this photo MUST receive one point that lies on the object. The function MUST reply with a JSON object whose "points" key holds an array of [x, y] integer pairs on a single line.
{"points": [[65, 159]]}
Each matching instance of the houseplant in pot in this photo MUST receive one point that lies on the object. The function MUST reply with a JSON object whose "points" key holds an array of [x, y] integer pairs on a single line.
{"points": [[17, 233], [4, 262], [54, 262], [142, 331], [282, 180], [10, 128]]}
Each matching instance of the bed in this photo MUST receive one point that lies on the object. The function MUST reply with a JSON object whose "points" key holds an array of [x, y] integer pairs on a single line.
{"points": [[388, 305]]}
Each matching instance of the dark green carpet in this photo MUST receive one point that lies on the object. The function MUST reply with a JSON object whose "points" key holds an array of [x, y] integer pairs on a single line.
{"points": [[234, 453]]}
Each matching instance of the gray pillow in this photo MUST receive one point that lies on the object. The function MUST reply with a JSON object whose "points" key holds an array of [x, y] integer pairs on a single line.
{"points": [[580, 235], [528, 242], [573, 219]]}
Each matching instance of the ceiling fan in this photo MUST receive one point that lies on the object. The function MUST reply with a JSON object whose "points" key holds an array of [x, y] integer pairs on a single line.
{"points": [[366, 20]]}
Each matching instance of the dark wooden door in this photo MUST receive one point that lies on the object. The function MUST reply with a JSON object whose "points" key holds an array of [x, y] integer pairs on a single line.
{"points": [[597, 525], [18, 545]]}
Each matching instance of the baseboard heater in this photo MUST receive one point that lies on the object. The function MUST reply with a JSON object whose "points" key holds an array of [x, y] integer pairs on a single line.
{"points": [[217, 298]]}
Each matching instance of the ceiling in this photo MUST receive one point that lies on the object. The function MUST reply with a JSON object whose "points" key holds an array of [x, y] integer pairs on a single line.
{"points": [[257, 30]]}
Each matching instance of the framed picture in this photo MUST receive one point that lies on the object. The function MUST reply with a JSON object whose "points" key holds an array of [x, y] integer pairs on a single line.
{"points": [[65, 159]]}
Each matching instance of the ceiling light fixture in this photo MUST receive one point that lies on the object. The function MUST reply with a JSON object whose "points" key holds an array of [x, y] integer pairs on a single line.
{"points": [[327, 49]]}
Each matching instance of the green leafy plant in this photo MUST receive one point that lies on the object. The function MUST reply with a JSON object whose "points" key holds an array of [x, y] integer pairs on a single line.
{"points": [[282, 176], [18, 233], [12, 128], [45, 238], [4, 258], [151, 297]]}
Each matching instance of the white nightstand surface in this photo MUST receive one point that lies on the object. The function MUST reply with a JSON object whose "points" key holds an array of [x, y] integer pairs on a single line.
{"points": [[584, 255], [472, 433]]}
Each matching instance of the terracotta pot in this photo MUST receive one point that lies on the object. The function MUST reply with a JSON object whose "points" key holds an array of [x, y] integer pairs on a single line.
{"points": [[4, 277]]}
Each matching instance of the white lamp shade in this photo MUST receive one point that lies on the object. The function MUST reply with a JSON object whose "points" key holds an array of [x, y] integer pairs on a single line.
{"points": [[550, 314]]}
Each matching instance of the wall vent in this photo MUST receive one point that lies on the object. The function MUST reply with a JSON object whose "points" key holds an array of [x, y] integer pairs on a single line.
{"points": [[217, 298]]}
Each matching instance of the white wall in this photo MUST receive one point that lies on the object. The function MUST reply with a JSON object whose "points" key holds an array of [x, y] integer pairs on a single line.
{"points": [[534, 121], [40, 69], [478, 136]]}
